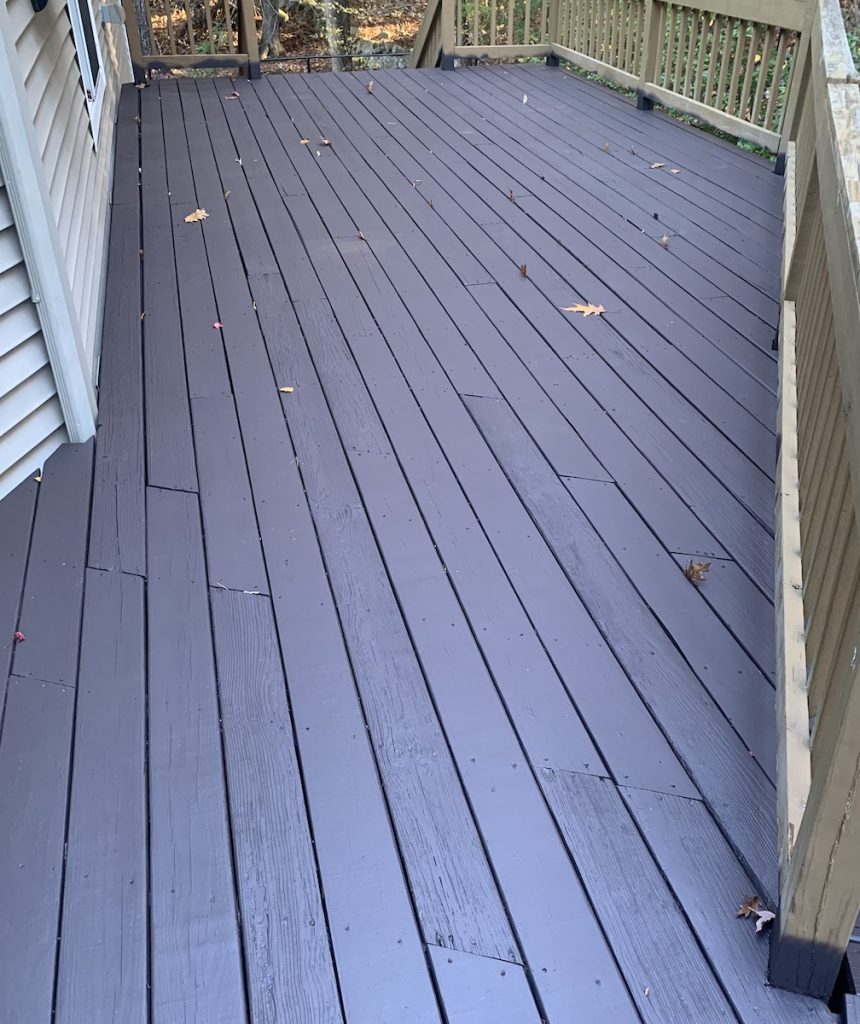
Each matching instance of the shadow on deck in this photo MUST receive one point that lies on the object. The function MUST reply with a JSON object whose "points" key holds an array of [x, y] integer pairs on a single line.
{"points": [[383, 697]]}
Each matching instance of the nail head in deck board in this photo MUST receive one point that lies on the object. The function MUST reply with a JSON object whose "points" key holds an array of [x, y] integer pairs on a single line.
{"points": [[710, 885], [230, 532], [17, 511], [644, 926], [730, 780], [737, 685], [287, 955], [102, 974], [117, 525], [34, 772], [196, 967], [54, 587], [479, 990]]}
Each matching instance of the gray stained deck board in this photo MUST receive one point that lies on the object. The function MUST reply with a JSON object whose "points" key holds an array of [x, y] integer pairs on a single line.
{"points": [[54, 588], [16, 525], [103, 961], [468, 712], [476, 989], [710, 885], [737, 685], [34, 772], [169, 444], [669, 978], [287, 954], [381, 967], [117, 521], [194, 920], [737, 791]]}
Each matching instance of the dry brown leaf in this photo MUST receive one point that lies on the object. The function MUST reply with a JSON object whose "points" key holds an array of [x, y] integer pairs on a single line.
{"points": [[369, 86], [287, 391], [143, 315], [324, 142], [664, 241], [657, 166], [38, 478], [633, 151], [232, 96], [675, 170], [140, 85], [696, 572], [751, 905], [511, 195], [304, 142], [587, 309], [361, 237], [605, 147], [196, 217], [524, 270], [227, 193]]}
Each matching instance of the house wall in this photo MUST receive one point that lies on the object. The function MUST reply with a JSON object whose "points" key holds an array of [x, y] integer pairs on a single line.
{"points": [[31, 420], [76, 170]]}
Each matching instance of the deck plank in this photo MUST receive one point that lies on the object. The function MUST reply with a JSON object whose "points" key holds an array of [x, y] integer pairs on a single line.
{"points": [[287, 953], [54, 588], [34, 772], [103, 963], [17, 511], [736, 789], [380, 963], [194, 924], [476, 990]]}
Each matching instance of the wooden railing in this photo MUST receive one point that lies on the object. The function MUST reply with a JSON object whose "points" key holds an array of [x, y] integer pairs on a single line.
{"points": [[727, 62], [778, 73], [818, 498], [185, 34]]}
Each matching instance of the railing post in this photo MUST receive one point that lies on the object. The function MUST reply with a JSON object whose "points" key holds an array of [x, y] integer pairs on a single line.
{"points": [[552, 31], [652, 46], [248, 37], [446, 59]]}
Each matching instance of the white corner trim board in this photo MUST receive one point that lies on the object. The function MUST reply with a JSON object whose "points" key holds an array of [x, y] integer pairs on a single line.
{"points": [[28, 197]]}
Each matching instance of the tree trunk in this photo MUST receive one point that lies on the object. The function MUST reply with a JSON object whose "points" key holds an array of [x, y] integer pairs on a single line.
{"points": [[270, 42], [331, 34]]}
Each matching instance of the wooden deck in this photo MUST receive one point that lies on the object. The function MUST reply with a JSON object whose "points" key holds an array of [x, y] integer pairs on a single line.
{"points": [[362, 682]]}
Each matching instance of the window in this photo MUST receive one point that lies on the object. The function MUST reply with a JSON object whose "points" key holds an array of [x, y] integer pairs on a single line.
{"points": [[85, 34]]}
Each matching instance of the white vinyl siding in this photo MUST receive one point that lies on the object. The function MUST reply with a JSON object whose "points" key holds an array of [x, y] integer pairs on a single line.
{"points": [[31, 420]]}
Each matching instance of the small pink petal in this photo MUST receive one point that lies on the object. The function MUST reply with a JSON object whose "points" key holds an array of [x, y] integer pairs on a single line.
{"points": [[19, 637], [218, 325]]}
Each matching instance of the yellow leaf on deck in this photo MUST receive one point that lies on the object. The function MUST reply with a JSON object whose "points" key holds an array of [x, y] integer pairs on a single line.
{"points": [[287, 391], [38, 478], [304, 142], [588, 309], [196, 217]]}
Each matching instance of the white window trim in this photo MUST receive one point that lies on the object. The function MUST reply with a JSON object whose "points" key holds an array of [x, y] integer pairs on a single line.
{"points": [[93, 92]]}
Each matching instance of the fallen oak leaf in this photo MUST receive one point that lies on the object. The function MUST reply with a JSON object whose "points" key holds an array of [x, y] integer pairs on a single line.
{"points": [[140, 85], [751, 905], [587, 309], [304, 142], [664, 241], [524, 270], [605, 147], [325, 142], [657, 166], [287, 390], [38, 478], [696, 572], [227, 193], [196, 217], [232, 96], [674, 170], [369, 86]]}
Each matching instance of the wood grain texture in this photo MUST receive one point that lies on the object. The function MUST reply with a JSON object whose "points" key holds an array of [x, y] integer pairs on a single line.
{"points": [[16, 524], [736, 789], [710, 885], [230, 533], [287, 954], [34, 776], [117, 530], [103, 964], [53, 592], [476, 989], [669, 978], [194, 926]]}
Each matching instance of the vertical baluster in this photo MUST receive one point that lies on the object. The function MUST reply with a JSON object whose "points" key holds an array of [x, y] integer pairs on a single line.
{"points": [[527, 17], [605, 30], [476, 23], [611, 30], [670, 48], [743, 106], [636, 12], [620, 26], [690, 54], [630, 36], [778, 71], [542, 34], [704, 29], [763, 69], [171, 35], [458, 38], [493, 16], [680, 54], [713, 58], [720, 101], [740, 47]]}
